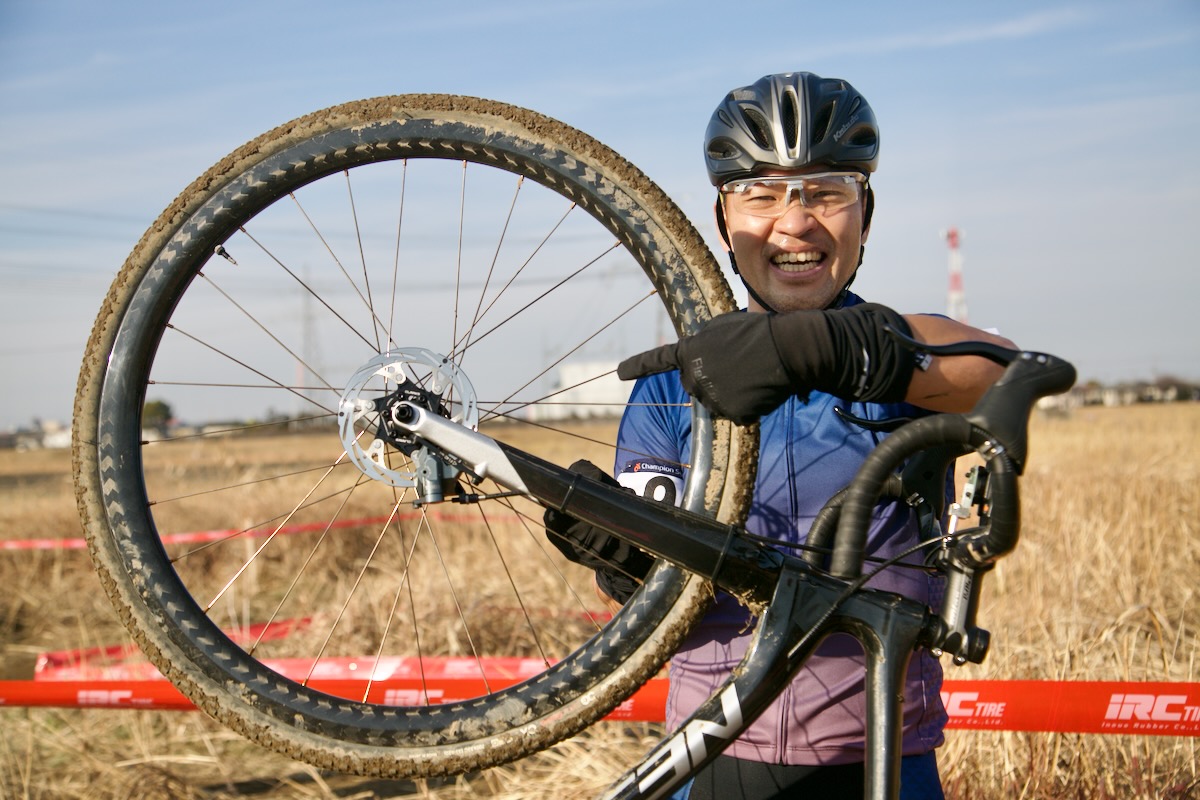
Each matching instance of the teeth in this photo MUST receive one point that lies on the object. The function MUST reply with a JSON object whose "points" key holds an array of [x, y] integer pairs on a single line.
{"points": [[806, 258]]}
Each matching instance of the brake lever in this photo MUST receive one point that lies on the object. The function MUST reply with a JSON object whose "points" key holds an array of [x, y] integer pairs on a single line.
{"points": [[1004, 409]]}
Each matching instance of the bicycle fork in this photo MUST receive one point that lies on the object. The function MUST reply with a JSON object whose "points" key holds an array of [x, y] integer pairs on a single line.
{"points": [[805, 609]]}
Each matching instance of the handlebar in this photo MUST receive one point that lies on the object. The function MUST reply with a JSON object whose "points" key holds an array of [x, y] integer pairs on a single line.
{"points": [[997, 429]]}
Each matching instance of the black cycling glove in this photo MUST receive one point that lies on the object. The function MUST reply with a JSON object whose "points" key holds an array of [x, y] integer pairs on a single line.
{"points": [[743, 365], [620, 567]]}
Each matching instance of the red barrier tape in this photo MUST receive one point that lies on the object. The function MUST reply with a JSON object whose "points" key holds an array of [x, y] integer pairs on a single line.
{"points": [[105, 678], [1159, 709], [1109, 707], [393, 680], [188, 537], [110, 663]]}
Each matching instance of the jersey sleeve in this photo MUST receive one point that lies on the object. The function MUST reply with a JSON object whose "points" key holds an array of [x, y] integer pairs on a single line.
{"points": [[653, 441]]}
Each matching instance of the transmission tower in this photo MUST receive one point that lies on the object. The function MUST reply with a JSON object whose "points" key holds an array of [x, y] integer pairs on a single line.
{"points": [[310, 351], [956, 298]]}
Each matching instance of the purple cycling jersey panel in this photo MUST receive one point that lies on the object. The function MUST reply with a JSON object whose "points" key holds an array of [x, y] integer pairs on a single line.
{"points": [[807, 453]]}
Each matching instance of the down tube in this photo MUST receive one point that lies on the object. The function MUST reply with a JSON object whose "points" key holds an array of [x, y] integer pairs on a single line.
{"points": [[806, 607], [724, 716]]}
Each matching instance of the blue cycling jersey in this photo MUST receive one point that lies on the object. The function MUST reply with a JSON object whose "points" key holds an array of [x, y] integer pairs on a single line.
{"points": [[807, 453]]}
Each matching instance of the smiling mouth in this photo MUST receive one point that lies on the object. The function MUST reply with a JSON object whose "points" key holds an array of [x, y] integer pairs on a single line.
{"points": [[798, 262]]}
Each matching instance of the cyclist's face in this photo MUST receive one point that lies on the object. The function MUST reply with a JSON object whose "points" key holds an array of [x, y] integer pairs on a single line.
{"points": [[800, 260]]}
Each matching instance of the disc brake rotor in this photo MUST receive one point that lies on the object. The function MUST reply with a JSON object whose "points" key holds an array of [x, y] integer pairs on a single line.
{"points": [[366, 421]]}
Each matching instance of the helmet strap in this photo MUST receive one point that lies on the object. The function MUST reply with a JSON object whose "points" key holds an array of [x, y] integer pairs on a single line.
{"points": [[840, 299], [750, 289], [724, 231]]}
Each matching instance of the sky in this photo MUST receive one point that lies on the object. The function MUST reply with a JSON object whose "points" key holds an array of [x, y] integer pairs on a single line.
{"points": [[1060, 138]]}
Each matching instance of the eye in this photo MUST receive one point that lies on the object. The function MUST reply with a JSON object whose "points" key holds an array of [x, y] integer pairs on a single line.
{"points": [[831, 194], [824, 195], [760, 196], [759, 200], [756, 190]]}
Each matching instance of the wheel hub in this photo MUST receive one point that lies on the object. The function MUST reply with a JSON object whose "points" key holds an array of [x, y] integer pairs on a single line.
{"points": [[370, 411]]}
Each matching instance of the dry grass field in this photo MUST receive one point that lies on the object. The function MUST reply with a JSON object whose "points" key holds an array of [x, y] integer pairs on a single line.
{"points": [[1102, 587]]}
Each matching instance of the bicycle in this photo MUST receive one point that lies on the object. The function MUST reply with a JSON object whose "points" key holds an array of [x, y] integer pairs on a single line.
{"points": [[343, 496]]}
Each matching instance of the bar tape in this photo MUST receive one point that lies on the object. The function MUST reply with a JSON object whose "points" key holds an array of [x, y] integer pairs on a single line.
{"points": [[1108, 707]]}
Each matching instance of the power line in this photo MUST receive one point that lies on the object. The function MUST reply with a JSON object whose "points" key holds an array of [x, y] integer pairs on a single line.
{"points": [[100, 216]]}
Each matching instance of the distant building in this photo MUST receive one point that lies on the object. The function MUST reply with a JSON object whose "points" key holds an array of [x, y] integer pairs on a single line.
{"points": [[51, 435], [584, 390]]}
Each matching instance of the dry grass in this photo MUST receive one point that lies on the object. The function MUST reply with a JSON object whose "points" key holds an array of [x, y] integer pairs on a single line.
{"points": [[1102, 587]]}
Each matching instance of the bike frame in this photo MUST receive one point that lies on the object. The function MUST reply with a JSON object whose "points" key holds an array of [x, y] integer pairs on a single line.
{"points": [[797, 603]]}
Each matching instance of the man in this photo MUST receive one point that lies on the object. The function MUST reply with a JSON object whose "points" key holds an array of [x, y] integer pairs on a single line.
{"points": [[791, 156]]}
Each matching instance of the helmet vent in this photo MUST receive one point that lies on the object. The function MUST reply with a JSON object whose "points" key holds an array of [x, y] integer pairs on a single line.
{"points": [[757, 126], [863, 137], [820, 127], [722, 150], [790, 121]]}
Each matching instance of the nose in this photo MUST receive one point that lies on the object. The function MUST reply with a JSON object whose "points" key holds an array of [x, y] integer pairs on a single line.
{"points": [[796, 219]]}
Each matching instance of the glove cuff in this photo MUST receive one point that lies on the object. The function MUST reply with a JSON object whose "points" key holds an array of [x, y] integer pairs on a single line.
{"points": [[845, 352]]}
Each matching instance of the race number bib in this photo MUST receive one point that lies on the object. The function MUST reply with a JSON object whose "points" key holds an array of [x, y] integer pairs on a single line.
{"points": [[662, 483]]}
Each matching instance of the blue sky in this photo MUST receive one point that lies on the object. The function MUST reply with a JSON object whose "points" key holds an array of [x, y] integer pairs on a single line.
{"points": [[1060, 138]]}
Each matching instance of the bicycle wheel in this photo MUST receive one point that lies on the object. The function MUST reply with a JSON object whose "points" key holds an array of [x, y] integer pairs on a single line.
{"points": [[483, 257]]}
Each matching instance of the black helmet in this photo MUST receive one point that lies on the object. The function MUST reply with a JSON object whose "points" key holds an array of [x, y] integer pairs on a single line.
{"points": [[790, 120]]}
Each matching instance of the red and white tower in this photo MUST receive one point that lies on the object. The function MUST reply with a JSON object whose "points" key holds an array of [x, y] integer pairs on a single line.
{"points": [[956, 299]]}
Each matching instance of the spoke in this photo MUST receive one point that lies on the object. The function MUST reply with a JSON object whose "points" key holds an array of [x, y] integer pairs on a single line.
{"points": [[299, 359], [462, 213], [513, 584], [544, 295], [396, 258], [492, 267], [575, 349], [268, 540], [337, 315], [291, 387], [503, 289], [362, 256], [215, 433], [304, 566], [259, 373], [414, 620], [404, 585], [366, 303], [424, 522], [534, 529], [353, 590], [229, 487]]}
